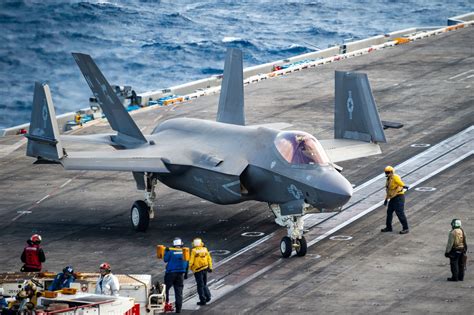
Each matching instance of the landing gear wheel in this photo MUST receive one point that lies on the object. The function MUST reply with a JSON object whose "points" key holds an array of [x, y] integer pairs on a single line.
{"points": [[286, 247], [302, 247], [140, 216]]}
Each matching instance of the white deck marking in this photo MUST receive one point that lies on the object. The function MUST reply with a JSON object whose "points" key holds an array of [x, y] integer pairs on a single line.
{"points": [[7, 149], [67, 182], [42, 199], [460, 74]]}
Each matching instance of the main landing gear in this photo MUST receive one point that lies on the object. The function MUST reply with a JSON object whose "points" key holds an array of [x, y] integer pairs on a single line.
{"points": [[295, 239], [142, 210]]}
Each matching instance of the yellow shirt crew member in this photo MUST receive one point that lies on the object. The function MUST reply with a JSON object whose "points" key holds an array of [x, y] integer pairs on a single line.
{"points": [[395, 198], [394, 186], [201, 263]]}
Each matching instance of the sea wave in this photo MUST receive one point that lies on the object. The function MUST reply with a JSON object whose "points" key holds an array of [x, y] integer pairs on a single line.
{"points": [[156, 44]]}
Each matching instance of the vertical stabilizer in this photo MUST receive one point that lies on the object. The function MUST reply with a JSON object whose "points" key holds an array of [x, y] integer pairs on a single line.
{"points": [[129, 135], [356, 116], [43, 138], [231, 100]]}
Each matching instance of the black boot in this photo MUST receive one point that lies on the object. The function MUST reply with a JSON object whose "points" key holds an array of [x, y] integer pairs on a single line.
{"points": [[386, 230], [452, 279]]}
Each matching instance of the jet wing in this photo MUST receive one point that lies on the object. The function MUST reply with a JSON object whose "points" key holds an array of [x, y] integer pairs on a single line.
{"points": [[343, 149], [104, 138], [123, 160]]}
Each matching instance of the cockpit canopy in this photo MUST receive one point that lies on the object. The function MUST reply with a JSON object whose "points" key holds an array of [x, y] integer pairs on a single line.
{"points": [[298, 147]]}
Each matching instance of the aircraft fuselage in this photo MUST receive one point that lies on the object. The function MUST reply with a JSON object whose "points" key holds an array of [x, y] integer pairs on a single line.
{"points": [[228, 164]]}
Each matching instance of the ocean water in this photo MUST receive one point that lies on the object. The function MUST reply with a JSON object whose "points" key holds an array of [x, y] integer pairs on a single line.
{"points": [[157, 44]]}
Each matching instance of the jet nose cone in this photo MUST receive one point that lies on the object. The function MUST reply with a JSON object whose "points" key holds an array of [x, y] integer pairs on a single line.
{"points": [[336, 189]]}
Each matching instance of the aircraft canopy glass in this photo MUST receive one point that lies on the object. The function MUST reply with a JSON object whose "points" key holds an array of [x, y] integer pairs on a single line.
{"points": [[298, 147]]}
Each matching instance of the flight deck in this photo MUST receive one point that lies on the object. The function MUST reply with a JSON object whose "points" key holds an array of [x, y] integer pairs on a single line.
{"points": [[427, 85]]}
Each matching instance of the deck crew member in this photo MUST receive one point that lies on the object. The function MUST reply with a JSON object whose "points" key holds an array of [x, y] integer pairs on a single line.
{"points": [[33, 254], [456, 250], [63, 279], [201, 263], [3, 301], [107, 283], [176, 271], [395, 197]]}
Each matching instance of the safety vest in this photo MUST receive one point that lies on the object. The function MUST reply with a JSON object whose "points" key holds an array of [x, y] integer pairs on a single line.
{"points": [[394, 186], [458, 239], [174, 259], [200, 259], [32, 259]]}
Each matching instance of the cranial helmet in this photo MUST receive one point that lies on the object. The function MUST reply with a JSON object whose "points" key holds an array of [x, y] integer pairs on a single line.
{"points": [[69, 269], [197, 242], [105, 266], [35, 238], [30, 286], [388, 169], [456, 223], [177, 242]]}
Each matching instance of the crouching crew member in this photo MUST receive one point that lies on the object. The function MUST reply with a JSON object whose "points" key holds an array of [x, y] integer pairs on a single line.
{"points": [[63, 279], [395, 198], [176, 271], [107, 284], [33, 254], [201, 263], [456, 250]]}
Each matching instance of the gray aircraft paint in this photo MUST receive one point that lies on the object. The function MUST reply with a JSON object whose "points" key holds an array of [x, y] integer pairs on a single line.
{"points": [[356, 116], [231, 99], [128, 134], [42, 137], [222, 161]]}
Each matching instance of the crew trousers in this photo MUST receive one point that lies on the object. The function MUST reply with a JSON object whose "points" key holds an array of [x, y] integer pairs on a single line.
{"points": [[175, 279], [201, 284], [397, 204], [457, 265]]}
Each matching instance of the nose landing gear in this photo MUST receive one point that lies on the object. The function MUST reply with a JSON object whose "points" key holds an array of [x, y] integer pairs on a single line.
{"points": [[295, 227]]}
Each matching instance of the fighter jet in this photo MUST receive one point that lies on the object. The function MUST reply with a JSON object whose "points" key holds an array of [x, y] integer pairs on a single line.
{"points": [[222, 161]]}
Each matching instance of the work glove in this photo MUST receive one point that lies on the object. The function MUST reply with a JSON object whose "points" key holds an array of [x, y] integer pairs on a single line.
{"points": [[209, 270], [446, 255], [406, 187], [385, 202]]}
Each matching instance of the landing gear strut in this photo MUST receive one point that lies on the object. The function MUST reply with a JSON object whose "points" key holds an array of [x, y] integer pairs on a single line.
{"points": [[142, 211], [295, 239]]}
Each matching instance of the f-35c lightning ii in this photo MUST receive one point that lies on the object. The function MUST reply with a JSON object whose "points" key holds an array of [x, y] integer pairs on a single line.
{"points": [[222, 161]]}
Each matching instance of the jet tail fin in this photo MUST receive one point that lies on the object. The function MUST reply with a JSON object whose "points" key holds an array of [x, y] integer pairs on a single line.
{"points": [[356, 116], [231, 100], [43, 136], [129, 135]]}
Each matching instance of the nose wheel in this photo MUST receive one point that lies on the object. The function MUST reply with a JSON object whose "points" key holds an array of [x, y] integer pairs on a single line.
{"points": [[295, 227], [287, 245]]}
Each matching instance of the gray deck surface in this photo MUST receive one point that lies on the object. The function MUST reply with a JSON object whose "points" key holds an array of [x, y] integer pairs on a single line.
{"points": [[425, 84]]}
